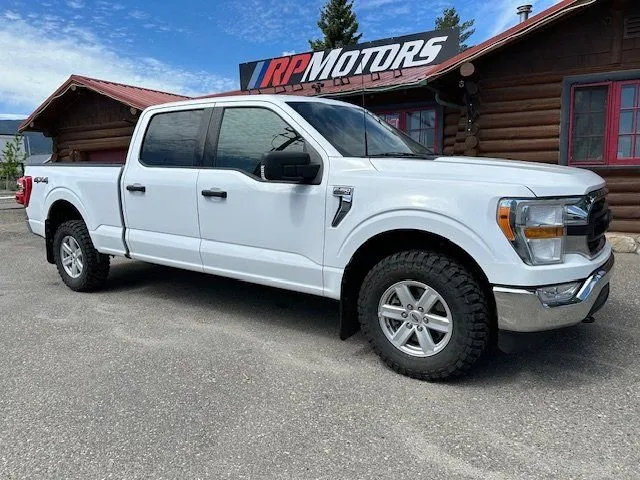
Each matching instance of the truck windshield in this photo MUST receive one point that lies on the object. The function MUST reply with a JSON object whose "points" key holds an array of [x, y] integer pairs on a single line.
{"points": [[344, 127]]}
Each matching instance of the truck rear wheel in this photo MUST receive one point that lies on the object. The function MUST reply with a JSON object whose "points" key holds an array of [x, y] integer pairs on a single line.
{"points": [[424, 314], [81, 267]]}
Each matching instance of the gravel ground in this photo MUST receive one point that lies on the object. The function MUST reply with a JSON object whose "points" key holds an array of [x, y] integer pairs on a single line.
{"points": [[172, 374]]}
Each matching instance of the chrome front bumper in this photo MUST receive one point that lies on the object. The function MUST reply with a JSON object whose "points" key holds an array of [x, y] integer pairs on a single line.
{"points": [[520, 309]]}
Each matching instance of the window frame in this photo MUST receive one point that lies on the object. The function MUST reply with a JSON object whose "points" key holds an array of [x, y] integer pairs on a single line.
{"points": [[403, 111], [615, 124], [607, 124], [212, 137], [200, 141], [614, 79]]}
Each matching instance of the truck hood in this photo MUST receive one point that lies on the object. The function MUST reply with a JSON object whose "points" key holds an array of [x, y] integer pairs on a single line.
{"points": [[542, 179]]}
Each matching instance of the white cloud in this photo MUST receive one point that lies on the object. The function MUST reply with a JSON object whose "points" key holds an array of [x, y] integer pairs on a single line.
{"points": [[12, 116], [260, 21], [138, 14], [288, 53], [75, 3], [39, 57], [11, 15]]}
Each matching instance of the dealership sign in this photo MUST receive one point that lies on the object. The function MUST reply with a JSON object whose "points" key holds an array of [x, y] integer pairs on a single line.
{"points": [[373, 57]]}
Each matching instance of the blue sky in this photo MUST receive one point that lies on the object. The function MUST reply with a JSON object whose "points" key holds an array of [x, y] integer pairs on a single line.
{"points": [[189, 46]]}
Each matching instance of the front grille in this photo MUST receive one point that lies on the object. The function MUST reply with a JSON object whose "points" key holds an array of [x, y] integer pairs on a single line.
{"points": [[599, 220], [588, 237]]}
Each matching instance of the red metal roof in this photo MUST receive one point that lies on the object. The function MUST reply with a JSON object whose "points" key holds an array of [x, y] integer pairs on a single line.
{"points": [[136, 97], [335, 87], [417, 76]]}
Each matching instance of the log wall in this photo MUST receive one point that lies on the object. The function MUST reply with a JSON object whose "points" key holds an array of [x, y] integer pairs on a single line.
{"points": [[86, 122], [519, 104]]}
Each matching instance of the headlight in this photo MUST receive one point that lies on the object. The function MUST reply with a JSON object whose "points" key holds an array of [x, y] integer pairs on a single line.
{"points": [[535, 228]]}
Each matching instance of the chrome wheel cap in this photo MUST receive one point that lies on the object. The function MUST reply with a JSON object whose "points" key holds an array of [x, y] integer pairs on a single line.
{"points": [[415, 318], [71, 255]]}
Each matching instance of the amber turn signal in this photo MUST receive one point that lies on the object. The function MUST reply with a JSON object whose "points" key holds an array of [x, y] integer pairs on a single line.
{"points": [[540, 233], [504, 213]]}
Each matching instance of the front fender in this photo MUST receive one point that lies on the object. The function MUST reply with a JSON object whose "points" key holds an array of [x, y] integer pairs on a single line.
{"points": [[453, 230]]}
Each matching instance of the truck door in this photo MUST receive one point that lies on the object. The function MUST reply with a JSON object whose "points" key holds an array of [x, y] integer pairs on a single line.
{"points": [[251, 228], [159, 188]]}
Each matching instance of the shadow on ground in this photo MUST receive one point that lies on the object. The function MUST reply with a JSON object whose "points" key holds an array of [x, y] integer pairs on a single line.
{"points": [[576, 355]]}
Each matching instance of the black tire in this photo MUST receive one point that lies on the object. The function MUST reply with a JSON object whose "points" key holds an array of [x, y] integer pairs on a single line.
{"points": [[95, 265], [470, 312]]}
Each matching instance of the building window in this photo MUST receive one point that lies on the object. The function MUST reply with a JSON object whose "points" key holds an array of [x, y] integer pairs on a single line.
{"points": [[605, 124], [626, 141], [420, 124]]}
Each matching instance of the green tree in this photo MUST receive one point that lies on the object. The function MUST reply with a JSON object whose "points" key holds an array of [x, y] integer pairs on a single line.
{"points": [[338, 24], [12, 157], [451, 19]]}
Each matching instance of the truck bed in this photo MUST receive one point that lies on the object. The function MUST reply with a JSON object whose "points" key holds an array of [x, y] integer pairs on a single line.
{"points": [[92, 188]]}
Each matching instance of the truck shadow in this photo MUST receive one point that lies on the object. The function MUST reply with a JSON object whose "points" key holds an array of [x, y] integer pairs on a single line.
{"points": [[253, 302], [572, 356]]}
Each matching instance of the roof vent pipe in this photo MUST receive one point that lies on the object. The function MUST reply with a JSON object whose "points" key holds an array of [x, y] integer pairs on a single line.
{"points": [[524, 11]]}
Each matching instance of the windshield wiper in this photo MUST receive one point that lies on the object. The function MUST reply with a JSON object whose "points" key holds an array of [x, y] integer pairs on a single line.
{"points": [[404, 155]]}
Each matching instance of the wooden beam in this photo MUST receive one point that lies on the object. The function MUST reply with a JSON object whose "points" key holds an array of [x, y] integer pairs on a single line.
{"points": [[498, 120], [515, 133], [627, 226], [625, 186], [543, 157], [522, 92], [626, 212], [529, 145], [527, 105], [619, 199], [95, 134]]}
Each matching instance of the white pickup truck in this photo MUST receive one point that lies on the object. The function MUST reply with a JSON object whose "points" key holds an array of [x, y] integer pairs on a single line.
{"points": [[429, 255]]}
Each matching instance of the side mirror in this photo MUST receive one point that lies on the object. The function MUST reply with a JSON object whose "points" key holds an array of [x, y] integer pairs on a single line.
{"points": [[289, 167]]}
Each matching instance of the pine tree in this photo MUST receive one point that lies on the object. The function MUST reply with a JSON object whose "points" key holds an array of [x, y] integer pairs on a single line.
{"points": [[11, 158], [338, 24], [451, 19]]}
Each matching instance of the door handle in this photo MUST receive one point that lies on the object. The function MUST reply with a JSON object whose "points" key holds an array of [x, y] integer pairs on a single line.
{"points": [[136, 187], [214, 193]]}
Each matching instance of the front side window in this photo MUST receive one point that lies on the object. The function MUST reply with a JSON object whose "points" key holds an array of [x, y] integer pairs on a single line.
{"points": [[247, 133], [605, 124], [171, 139], [355, 132]]}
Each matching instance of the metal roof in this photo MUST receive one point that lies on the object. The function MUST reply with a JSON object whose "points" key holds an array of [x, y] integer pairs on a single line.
{"points": [[136, 97]]}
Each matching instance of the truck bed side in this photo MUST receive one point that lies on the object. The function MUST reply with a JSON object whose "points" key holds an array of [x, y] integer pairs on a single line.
{"points": [[92, 190]]}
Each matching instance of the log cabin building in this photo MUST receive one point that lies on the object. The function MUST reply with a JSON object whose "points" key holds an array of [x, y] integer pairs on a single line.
{"points": [[92, 120], [561, 87]]}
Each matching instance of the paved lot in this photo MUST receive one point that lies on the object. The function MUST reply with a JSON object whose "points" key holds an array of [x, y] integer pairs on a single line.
{"points": [[171, 374]]}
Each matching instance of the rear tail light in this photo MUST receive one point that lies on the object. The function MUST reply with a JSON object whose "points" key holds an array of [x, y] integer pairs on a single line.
{"points": [[23, 195]]}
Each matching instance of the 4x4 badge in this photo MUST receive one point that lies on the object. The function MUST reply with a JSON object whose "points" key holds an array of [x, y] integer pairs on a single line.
{"points": [[346, 200]]}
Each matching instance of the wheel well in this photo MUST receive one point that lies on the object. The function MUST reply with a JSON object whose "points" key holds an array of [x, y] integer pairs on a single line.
{"points": [[388, 243], [60, 212]]}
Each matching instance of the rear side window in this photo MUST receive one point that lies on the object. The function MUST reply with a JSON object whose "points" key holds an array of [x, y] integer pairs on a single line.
{"points": [[171, 139], [247, 133]]}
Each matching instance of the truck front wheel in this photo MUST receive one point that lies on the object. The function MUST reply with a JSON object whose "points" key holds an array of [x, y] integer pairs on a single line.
{"points": [[81, 267], [424, 314]]}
